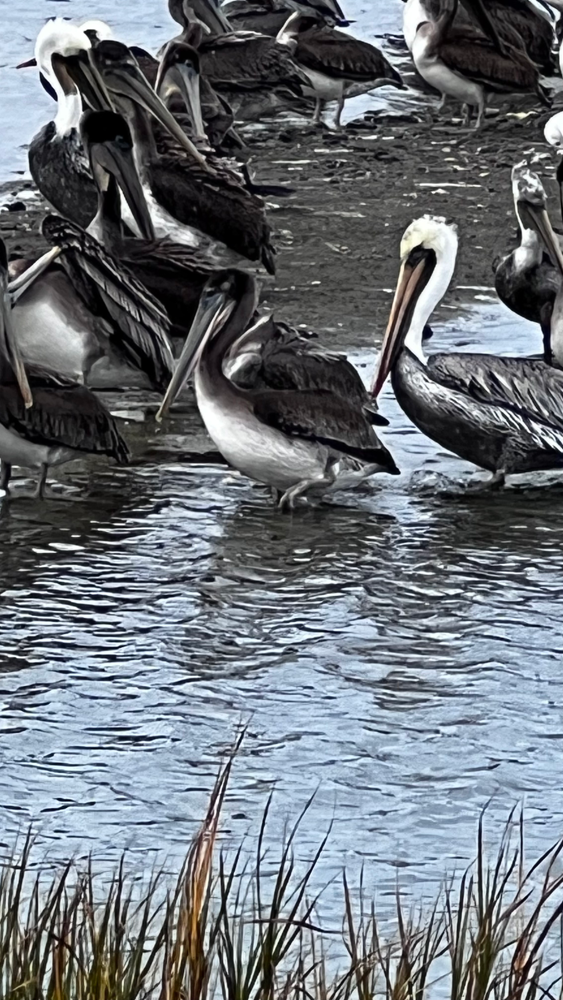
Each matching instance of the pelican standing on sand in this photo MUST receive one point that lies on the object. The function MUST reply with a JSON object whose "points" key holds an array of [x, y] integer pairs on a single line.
{"points": [[502, 414], [298, 443], [45, 420], [468, 68]]}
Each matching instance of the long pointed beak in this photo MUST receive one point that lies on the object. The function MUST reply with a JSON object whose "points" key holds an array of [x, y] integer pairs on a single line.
{"points": [[130, 82], [27, 64], [542, 224], [14, 355], [407, 284], [214, 309], [121, 165], [89, 81], [184, 79], [19, 285]]}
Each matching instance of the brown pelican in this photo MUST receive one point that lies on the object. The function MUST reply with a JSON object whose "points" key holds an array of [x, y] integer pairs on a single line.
{"points": [[182, 191], [77, 305], [516, 22], [174, 273], [45, 420], [528, 279], [56, 158], [502, 414], [338, 65], [468, 68], [298, 443]]}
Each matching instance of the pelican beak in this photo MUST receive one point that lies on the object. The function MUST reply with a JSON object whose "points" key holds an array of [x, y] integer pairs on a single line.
{"points": [[85, 75], [127, 80], [182, 78], [119, 162], [27, 64], [538, 219], [412, 279], [19, 285], [7, 337], [214, 309]]}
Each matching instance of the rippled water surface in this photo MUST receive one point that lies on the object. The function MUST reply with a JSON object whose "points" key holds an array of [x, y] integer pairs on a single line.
{"points": [[400, 654]]}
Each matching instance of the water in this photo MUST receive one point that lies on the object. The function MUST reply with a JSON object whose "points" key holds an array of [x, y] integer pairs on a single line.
{"points": [[398, 654]]}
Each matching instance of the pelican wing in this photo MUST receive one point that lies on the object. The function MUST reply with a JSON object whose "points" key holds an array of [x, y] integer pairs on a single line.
{"points": [[64, 414], [526, 391], [139, 322], [478, 60], [325, 418], [340, 55]]}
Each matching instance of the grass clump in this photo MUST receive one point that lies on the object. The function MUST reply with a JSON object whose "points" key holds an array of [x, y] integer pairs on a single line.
{"points": [[230, 929]]}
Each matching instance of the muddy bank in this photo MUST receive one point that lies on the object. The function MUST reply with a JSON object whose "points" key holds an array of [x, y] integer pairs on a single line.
{"points": [[338, 232]]}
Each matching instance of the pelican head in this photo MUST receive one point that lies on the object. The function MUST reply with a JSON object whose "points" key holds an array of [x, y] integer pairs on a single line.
{"points": [[225, 292], [179, 73], [124, 79], [63, 56], [428, 255], [96, 30], [530, 202]]}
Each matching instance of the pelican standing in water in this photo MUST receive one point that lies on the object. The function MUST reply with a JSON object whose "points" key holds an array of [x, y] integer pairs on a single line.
{"points": [[502, 414], [528, 279], [298, 443], [45, 420]]}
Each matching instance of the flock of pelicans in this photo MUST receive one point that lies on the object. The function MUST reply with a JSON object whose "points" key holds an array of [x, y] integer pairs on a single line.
{"points": [[156, 209]]}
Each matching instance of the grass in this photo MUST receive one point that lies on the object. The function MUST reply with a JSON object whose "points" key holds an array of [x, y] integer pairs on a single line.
{"points": [[229, 929]]}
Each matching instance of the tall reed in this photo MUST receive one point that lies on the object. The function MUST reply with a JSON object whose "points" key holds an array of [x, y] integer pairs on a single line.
{"points": [[229, 929]]}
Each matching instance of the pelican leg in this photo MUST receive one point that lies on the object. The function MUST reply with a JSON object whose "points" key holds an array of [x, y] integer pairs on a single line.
{"points": [[288, 500], [443, 102], [466, 112], [496, 482], [482, 110], [40, 491], [317, 117], [339, 110], [5, 477]]}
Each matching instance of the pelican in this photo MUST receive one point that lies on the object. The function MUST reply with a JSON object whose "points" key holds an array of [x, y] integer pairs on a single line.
{"points": [[183, 192], [173, 273], [298, 443], [468, 68], [56, 160], [45, 420], [553, 130], [528, 279], [517, 23], [338, 65], [77, 305], [502, 414]]}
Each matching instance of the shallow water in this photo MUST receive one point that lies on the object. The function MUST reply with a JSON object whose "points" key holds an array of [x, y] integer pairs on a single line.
{"points": [[397, 654]]}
